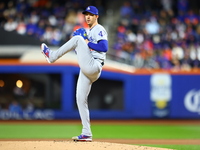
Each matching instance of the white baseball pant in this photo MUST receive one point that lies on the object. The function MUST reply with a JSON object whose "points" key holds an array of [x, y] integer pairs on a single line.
{"points": [[90, 70]]}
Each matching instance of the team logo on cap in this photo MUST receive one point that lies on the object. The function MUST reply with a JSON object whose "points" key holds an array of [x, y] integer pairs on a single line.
{"points": [[88, 8]]}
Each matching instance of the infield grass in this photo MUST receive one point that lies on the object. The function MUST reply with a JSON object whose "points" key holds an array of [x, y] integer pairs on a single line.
{"points": [[100, 131], [147, 131], [66, 131]]}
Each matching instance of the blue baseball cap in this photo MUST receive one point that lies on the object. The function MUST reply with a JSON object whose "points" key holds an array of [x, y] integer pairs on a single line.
{"points": [[92, 10]]}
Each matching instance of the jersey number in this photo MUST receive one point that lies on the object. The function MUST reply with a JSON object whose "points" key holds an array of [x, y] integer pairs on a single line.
{"points": [[100, 33]]}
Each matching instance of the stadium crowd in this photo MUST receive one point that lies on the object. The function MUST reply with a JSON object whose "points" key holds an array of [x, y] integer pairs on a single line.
{"points": [[151, 33], [162, 35], [50, 21]]}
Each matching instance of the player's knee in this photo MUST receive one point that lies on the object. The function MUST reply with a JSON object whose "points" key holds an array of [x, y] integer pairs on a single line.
{"points": [[79, 37], [80, 98], [81, 101]]}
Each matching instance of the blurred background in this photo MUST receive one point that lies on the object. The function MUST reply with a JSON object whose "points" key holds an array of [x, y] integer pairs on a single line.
{"points": [[154, 44]]}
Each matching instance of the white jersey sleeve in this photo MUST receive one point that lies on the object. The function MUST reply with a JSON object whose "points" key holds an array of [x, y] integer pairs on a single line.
{"points": [[96, 34], [99, 34]]}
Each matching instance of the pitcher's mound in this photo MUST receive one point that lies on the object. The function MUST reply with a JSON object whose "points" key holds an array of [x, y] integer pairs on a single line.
{"points": [[69, 145]]}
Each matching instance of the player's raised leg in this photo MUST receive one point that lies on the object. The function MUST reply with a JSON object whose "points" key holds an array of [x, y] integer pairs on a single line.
{"points": [[75, 43]]}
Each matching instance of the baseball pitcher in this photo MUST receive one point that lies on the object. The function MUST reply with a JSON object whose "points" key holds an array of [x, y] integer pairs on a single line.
{"points": [[91, 48]]}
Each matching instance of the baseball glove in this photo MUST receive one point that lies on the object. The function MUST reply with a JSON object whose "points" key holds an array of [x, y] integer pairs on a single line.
{"points": [[81, 32]]}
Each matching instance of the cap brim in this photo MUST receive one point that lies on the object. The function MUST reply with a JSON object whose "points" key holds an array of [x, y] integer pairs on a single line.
{"points": [[84, 12]]}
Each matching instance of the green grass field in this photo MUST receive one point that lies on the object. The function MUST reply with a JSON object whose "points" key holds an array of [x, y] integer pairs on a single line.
{"points": [[66, 131]]}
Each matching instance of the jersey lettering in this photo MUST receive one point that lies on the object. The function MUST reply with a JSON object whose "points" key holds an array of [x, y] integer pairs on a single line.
{"points": [[100, 33], [91, 39]]}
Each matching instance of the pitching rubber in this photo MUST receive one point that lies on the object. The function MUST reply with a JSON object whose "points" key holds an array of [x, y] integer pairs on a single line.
{"points": [[82, 140]]}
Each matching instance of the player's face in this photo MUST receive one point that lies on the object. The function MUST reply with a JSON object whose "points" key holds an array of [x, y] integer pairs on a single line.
{"points": [[91, 19]]}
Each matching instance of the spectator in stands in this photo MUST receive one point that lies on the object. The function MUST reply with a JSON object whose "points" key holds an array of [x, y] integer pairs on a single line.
{"points": [[21, 27], [31, 27], [10, 25], [186, 62], [56, 37], [195, 63], [40, 29], [152, 26], [10, 11], [182, 5], [48, 34], [150, 61], [177, 52], [138, 61], [176, 65], [167, 4], [126, 11], [164, 59]]}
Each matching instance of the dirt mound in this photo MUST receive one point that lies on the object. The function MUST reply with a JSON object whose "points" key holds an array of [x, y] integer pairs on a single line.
{"points": [[69, 145]]}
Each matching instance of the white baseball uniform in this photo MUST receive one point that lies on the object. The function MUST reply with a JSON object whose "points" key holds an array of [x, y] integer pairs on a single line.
{"points": [[90, 63]]}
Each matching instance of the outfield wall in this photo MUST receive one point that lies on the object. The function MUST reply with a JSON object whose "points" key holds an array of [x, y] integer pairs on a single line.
{"points": [[116, 95]]}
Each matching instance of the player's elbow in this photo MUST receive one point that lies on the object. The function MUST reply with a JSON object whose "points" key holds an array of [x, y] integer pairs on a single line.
{"points": [[104, 44], [101, 46]]}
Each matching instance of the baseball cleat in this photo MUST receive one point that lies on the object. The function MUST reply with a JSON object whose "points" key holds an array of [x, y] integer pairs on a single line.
{"points": [[82, 138], [45, 51]]}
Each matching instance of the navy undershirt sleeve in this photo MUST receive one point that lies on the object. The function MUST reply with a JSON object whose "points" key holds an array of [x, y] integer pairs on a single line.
{"points": [[101, 46]]}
